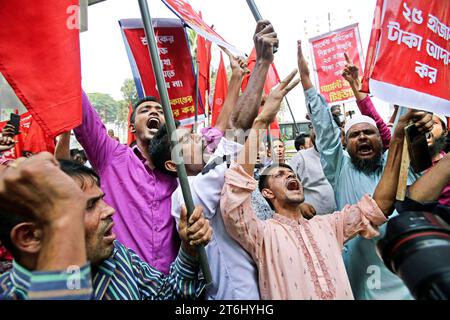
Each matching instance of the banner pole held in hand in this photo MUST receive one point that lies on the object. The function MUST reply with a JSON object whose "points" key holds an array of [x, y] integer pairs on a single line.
{"points": [[257, 15], [171, 128]]}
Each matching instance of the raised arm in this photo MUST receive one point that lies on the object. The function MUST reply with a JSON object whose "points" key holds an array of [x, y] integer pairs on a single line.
{"points": [[62, 149], [328, 135], [238, 214], [365, 105], [386, 189], [238, 70], [37, 188], [430, 185], [247, 107], [92, 135]]}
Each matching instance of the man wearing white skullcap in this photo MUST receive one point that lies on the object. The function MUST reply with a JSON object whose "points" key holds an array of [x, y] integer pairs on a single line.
{"points": [[357, 120]]}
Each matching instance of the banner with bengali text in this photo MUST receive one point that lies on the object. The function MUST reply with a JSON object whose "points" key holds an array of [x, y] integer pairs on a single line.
{"points": [[176, 63], [409, 53], [327, 52]]}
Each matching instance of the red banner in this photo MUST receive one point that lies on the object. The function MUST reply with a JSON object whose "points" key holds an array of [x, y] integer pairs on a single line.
{"points": [[40, 59], [409, 53], [176, 62], [185, 12], [329, 61]]}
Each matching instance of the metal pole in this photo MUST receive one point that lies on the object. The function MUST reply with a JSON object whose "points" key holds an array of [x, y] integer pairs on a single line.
{"points": [[171, 128], [196, 96], [292, 115], [257, 16]]}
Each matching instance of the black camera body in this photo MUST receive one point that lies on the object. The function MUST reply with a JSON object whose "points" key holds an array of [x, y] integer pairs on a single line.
{"points": [[416, 247]]}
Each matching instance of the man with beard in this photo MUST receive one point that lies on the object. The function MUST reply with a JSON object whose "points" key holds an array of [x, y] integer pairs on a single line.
{"points": [[437, 136], [352, 176], [436, 145]]}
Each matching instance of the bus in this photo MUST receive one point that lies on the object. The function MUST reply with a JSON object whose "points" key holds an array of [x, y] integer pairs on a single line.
{"points": [[288, 135]]}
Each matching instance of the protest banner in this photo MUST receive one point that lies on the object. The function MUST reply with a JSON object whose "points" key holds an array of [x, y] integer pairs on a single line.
{"points": [[409, 53], [327, 52], [176, 63], [186, 13]]}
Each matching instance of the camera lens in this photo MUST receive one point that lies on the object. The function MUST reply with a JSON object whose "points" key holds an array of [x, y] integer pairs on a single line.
{"points": [[417, 248]]}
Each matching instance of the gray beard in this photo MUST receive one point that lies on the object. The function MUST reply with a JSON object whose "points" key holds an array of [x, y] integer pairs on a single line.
{"points": [[368, 166]]}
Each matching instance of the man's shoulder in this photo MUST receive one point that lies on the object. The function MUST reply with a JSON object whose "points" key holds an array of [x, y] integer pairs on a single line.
{"points": [[6, 284]]}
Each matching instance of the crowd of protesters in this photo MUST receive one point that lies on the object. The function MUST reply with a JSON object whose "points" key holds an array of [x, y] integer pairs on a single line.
{"points": [[110, 223]]}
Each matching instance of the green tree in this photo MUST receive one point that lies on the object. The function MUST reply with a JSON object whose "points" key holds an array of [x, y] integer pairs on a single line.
{"points": [[105, 105], [129, 91], [123, 108]]}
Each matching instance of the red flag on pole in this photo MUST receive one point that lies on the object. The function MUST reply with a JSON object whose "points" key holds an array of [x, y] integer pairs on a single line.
{"points": [[131, 136], [221, 91], [40, 59], [271, 81], [204, 61]]}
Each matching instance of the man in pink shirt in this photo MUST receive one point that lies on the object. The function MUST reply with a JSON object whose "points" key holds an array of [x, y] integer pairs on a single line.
{"points": [[299, 258]]}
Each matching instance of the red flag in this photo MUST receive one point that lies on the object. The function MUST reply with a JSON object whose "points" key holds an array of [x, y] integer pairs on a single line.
{"points": [[40, 59], [131, 136], [271, 81], [272, 75], [221, 91], [204, 62], [37, 141]]}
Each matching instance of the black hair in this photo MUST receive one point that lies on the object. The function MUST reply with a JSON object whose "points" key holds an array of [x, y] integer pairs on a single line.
{"points": [[8, 221], [137, 104], [300, 141], [79, 172], [263, 182], [160, 150]]}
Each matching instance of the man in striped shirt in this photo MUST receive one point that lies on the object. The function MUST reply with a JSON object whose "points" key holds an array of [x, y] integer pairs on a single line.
{"points": [[117, 272]]}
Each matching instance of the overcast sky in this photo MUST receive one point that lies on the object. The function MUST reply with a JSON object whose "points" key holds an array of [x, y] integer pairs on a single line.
{"points": [[105, 64]]}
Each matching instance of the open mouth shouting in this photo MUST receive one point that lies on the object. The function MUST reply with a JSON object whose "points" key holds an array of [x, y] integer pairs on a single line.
{"points": [[365, 150], [293, 185], [153, 124]]}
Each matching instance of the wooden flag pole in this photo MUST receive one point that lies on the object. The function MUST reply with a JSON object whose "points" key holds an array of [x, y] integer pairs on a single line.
{"points": [[403, 176], [171, 128]]}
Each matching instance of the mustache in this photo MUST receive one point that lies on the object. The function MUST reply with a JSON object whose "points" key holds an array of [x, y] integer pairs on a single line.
{"points": [[106, 224]]}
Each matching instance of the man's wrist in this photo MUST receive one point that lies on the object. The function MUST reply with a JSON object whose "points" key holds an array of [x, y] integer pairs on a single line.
{"points": [[188, 249]]}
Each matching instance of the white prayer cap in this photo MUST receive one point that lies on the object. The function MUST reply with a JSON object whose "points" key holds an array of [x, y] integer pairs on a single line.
{"points": [[443, 119], [357, 119]]}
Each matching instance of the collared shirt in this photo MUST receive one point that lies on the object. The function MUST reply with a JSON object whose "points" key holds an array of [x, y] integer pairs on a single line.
{"points": [[232, 269], [369, 277], [296, 259], [21, 284], [140, 195], [124, 276], [317, 189]]}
